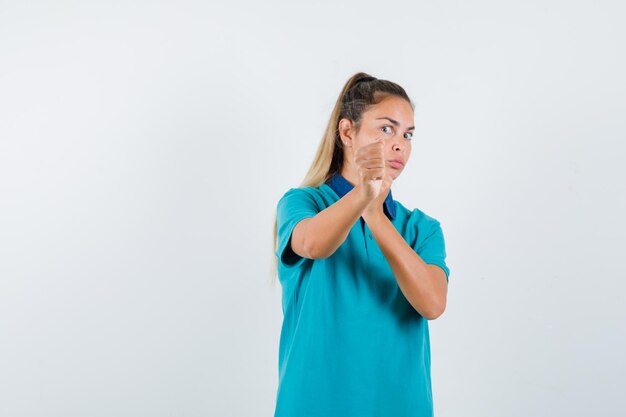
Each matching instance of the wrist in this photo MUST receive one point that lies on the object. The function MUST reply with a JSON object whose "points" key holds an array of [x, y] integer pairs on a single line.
{"points": [[374, 212], [361, 196]]}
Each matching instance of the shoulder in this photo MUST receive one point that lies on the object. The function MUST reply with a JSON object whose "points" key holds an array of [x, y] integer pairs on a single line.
{"points": [[317, 194], [418, 224], [415, 215], [301, 192], [309, 197]]}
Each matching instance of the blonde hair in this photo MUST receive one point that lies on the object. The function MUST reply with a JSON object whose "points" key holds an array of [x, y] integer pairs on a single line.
{"points": [[360, 92]]}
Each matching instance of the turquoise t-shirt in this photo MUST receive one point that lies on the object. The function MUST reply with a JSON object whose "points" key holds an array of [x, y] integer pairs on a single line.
{"points": [[351, 345]]}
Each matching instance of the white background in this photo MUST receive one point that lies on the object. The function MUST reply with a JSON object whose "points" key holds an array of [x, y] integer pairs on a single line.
{"points": [[144, 146]]}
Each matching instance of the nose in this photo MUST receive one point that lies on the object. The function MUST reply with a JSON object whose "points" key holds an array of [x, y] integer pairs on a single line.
{"points": [[397, 145]]}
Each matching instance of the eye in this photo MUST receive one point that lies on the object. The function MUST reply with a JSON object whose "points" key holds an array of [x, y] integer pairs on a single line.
{"points": [[410, 135], [383, 128]]}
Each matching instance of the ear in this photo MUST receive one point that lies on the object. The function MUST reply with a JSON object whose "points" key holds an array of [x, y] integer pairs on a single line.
{"points": [[345, 131]]}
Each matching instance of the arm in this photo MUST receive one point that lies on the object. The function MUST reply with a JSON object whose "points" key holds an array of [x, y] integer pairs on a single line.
{"points": [[320, 236], [424, 285]]}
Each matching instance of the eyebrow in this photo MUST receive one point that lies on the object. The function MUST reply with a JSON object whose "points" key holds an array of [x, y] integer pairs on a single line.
{"points": [[395, 122]]}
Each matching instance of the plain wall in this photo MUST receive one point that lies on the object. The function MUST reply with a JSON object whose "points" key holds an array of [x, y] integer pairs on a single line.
{"points": [[144, 146]]}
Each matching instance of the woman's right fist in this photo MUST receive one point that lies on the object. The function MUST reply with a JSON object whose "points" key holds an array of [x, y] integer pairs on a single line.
{"points": [[370, 164]]}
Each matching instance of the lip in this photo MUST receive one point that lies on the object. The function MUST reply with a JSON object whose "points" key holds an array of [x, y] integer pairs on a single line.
{"points": [[396, 163]]}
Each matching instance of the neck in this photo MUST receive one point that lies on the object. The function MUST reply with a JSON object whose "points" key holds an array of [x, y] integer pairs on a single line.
{"points": [[349, 174]]}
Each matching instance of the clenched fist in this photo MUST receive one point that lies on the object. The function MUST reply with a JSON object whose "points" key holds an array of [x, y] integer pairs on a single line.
{"points": [[370, 164]]}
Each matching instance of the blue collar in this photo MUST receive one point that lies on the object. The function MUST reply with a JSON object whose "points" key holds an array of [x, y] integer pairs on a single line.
{"points": [[341, 186]]}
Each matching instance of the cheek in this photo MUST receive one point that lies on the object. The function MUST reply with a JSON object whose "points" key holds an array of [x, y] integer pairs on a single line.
{"points": [[366, 139], [369, 132]]}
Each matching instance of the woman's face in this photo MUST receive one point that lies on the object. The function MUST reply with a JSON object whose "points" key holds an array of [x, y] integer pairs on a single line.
{"points": [[391, 120]]}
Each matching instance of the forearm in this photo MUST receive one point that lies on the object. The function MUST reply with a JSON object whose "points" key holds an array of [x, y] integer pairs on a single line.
{"points": [[420, 288], [328, 229]]}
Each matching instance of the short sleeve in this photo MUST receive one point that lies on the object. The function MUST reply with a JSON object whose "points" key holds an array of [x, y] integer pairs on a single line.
{"points": [[295, 205], [432, 249]]}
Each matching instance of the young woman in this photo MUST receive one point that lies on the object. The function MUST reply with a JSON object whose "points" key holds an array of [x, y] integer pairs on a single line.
{"points": [[361, 273]]}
